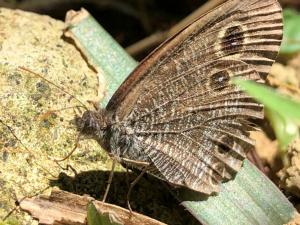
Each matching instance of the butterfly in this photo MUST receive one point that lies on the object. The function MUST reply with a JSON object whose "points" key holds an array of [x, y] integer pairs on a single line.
{"points": [[178, 114]]}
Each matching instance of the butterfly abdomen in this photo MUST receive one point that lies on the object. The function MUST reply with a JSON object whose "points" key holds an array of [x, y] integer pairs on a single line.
{"points": [[124, 143]]}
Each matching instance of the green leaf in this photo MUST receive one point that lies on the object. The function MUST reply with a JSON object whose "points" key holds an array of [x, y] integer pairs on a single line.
{"points": [[286, 130], [282, 111], [283, 105], [291, 32], [96, 218]]}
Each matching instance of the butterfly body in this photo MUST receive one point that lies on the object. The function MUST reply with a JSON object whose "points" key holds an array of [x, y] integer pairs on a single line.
{"points": [[115, 137], [178, 111]]}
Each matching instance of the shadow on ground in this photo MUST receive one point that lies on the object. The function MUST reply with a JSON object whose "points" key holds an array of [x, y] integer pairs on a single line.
{"points": [[149, 196]]}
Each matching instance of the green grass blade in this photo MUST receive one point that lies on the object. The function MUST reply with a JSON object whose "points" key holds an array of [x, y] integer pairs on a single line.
{"points": [[250, 198], [104, 52]]}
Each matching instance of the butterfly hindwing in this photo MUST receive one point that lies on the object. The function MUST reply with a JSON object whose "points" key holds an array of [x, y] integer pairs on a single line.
{"points": [[180, 106]]}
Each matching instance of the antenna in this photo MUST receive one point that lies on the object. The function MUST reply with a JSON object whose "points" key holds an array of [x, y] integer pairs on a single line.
{"points": [[72, 151], [61, 89], [55, 85]]}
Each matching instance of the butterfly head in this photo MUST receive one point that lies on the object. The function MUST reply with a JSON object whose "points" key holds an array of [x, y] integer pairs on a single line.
{"points": [[94, 123]]}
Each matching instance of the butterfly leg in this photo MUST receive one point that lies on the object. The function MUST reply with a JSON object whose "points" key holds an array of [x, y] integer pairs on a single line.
{"points": [[67, 168], [132, 185], [127, 175], [72, 151], [111, 175]]}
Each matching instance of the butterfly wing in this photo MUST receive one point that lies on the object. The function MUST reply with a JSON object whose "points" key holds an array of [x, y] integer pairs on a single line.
{"points": [[181, 108]]}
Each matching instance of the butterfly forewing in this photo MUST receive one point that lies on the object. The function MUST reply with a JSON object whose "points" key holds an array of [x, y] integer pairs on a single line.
{"points": [[180, 111]]}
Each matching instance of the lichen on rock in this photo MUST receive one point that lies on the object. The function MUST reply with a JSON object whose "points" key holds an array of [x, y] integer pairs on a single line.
{"points": [[37, 117]]}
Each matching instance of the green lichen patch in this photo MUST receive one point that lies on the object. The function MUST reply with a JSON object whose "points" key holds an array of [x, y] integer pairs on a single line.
{"points": [[37, 117]]}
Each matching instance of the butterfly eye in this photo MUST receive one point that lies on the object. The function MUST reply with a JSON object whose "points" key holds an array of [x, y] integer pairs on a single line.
{"points": [[225, 145], [233, 32], [232, 40], [219, 80]]}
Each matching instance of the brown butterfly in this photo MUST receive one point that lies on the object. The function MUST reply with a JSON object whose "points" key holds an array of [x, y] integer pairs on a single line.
{"points": [[177, 114]]}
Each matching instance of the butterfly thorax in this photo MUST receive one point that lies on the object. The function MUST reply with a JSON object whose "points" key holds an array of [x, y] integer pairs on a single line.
{"points": [[114, 136]]}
